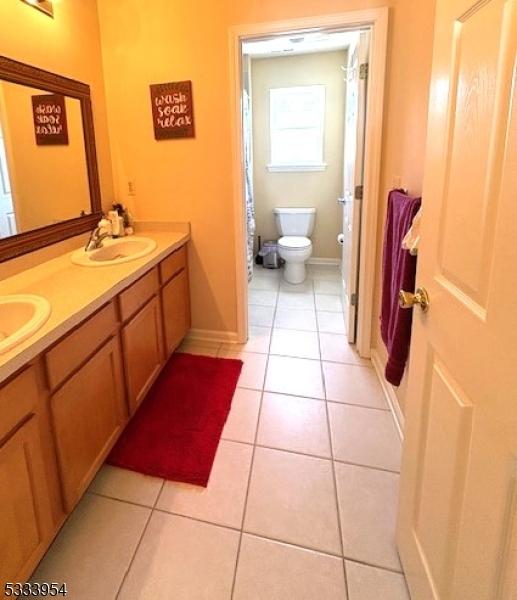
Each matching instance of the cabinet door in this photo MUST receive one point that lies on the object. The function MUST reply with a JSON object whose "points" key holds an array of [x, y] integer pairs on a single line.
{"points": [[25, 515], [88, 413], [176, 311], [143, 351]]}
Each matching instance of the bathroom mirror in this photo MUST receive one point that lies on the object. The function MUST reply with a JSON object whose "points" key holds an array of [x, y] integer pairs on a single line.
{"points": [[49, 184]]}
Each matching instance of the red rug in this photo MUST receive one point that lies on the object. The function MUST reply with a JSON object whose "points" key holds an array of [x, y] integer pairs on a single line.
{"points": [[176, 431]]}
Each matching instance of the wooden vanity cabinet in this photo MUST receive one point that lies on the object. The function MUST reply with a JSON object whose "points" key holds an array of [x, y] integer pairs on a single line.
{"points": [[142, 337], [26, 511], [61, 415]]}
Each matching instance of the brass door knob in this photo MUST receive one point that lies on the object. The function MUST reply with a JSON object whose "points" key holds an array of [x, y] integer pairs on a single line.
{"points": [[420, 297]]}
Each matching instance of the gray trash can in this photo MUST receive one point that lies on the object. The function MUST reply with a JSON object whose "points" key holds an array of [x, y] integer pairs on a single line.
{"points": [[270, 256]]}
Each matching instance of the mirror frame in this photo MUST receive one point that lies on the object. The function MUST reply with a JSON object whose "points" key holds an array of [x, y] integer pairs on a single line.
{"points": [[21, 243]]}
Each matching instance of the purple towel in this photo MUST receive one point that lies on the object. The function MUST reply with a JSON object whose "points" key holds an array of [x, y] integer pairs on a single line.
{"points": [[398, 273]]}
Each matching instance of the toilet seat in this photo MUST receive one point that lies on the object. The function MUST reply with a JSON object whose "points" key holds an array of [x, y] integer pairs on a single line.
{"points": [[294, 242]]}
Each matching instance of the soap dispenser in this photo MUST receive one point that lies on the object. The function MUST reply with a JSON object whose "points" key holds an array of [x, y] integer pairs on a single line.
{"points": [[117, 223]]}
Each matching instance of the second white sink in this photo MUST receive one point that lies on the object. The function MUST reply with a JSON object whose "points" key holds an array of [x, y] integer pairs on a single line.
{"points": [[115, 252]]}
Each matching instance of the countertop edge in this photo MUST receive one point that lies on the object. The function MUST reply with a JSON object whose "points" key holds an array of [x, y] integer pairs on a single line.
{"points": [[24, 356]]}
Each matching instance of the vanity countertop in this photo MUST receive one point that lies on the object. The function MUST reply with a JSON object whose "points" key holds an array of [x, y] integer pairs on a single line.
{"points": [[75, 292]]}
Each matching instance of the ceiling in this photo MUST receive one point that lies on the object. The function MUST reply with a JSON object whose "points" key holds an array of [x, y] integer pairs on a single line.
{"points": [[319, 41]]}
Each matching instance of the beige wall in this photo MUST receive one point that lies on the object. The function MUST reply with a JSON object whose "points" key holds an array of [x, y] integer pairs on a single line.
{"points": [[320, 188], [406, 123], [189, 180], [182, 179], [48, 183], [68, 45]]}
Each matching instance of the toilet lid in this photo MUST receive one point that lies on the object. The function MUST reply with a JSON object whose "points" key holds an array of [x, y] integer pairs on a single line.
{"points": [[294, 242]]}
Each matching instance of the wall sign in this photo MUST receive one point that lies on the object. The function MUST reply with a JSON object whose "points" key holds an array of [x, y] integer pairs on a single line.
{"points": [[173, 110], [50, 125]]}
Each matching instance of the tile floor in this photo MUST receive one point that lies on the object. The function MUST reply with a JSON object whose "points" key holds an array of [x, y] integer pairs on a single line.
{"points": [[301, 502]]}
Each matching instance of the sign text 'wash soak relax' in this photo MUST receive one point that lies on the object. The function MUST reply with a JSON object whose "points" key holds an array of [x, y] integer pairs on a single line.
{"points": [[173, 110]]}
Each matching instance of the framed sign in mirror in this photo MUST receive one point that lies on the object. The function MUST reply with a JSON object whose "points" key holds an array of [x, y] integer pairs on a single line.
{"points": [[49, 180]]}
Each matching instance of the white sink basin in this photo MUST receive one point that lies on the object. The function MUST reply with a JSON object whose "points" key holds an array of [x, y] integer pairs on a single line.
{"points": [[21, 315], [114, 252]]}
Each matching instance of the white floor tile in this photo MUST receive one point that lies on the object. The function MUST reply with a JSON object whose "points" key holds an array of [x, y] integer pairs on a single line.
{"points": [[291, 498], [274, 571], [300, 288], [264, 283], [296, 376], [299, 344], [329, 302], [258, 341], [335, 348], [294, 318], [123, 484], [222, 501], [328, 287], [353, 385], [262, 297], [304, 301], [260, 272], [261, 316], [94, 549], [331, 322], [324, 272], [182, 559], [253, 370], [364, 436], [294, 423], [370, 583], [368, 509], [242, 421]]}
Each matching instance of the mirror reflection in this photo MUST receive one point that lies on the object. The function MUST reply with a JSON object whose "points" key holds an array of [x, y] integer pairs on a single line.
{"points": [[43, 169]]}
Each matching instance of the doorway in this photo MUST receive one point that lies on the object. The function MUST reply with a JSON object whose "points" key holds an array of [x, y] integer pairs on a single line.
{"points": [[292, 137]]}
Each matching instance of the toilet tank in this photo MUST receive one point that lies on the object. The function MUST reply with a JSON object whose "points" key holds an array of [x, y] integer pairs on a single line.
{"points": [[295, 221]]}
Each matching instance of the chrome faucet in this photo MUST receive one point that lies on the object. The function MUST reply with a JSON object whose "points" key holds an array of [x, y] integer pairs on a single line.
{"points": [[96, 239]]}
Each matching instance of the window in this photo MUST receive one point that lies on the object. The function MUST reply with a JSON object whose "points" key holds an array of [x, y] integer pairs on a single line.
{"points": [[297, 117]]}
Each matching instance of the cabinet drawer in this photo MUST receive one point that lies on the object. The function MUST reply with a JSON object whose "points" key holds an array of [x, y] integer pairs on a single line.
{"points": [[71, 352], [173, 263], [138, 294], [18, 399]]}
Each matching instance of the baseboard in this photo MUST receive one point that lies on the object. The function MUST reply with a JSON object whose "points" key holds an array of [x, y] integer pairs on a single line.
{"points": [[324, 261], [389, 392], [208, 335]]}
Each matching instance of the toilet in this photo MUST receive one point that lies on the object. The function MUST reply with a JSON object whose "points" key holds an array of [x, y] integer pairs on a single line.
{"points": [[295, 225]]}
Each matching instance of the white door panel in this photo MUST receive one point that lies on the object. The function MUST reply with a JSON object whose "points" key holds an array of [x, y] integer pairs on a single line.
{"points": [[353, 176], [457, 530]]}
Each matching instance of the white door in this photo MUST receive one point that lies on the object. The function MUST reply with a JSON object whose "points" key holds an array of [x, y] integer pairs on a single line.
{"points": [[355, 117], [457, 529], [7, 217]]}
